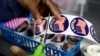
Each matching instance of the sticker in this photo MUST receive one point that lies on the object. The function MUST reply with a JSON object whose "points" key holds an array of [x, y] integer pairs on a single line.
{"points": [[79, 27], [93, 33], [59, 26], [40, 28]]}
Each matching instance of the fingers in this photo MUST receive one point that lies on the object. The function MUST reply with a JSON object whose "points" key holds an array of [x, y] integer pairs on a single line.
{"points": [[17, 51], [54, 8], [31, 6]]}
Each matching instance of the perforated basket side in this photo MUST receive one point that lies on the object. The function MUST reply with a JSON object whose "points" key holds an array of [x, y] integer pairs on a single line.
{"points": [[30, 45], [19, 40]]}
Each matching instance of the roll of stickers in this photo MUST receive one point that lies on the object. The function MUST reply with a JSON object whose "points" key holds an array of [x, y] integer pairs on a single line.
{"points": [[18, 25], [89, 48], [93, 50], [16, 22], [71, 25]]}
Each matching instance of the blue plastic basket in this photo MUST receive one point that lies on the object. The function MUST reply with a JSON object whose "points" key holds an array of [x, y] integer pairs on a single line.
{"points": [[30, 45]]}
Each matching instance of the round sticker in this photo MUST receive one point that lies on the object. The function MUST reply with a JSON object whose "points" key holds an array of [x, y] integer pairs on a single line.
{"points": [[79, 27], [93, 33], [58, 26], [40, 28]]}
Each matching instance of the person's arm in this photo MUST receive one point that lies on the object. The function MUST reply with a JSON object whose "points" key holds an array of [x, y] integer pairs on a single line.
{"points": [[54, 8], [31, 5]]}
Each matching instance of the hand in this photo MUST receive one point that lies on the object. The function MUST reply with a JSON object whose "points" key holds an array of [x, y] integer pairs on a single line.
{"points": [[60, 23], [17, 51]]}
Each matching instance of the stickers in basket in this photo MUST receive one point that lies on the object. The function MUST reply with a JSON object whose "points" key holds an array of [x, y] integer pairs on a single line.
{"points": [[93, 33], [79, 26], [59, 26]]}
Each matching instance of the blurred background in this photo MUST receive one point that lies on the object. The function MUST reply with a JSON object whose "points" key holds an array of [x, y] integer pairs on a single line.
{"points": [[89, 9]]}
